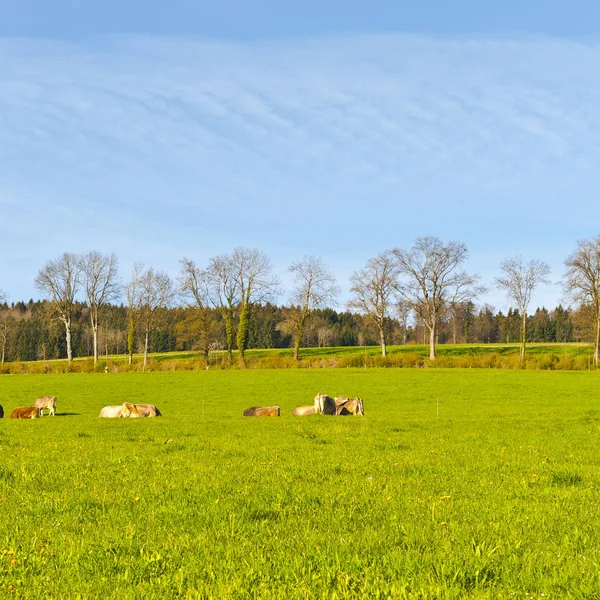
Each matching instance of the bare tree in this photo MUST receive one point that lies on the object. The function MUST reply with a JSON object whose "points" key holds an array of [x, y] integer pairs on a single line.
{"points": [[582, 281], [256, 284], [133, 294], [314, 287], [102, 286], [7, 325], [155, 292], [59, 282], [373, 289], [519, 280], [194, 285], [224, 293], [403, 311], [431, 282]]}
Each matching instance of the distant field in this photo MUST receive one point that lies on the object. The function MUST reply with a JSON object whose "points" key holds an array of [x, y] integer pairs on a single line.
{"points": [[567, 357], [456, 484]]}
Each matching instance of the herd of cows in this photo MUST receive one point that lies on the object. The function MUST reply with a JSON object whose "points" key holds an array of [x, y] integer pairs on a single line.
{"points": [[49, 402], [33, 412], [323, 405]]}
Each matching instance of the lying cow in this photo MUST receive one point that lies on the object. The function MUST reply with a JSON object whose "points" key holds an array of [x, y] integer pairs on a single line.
{"points": [[25, 412], [324, 405], [135, 411], [48, 402], [1, 412], [352, 406], [302, 411], [111, 412], [263, 411]]}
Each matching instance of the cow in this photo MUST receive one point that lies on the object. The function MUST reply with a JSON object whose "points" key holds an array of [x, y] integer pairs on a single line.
{"points": [[135, 411], [48, 402], [352, 406], [1, 412], [111, 412], [324, 404], [302, 411], [263, 411], [25, 412]]}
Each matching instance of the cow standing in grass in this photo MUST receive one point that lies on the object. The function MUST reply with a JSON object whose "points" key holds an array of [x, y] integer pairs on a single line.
{"points": [[263, 411], [48, 402]]}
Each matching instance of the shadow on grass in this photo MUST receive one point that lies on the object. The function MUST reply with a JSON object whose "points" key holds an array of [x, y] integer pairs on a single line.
{"points": [[67, 414]]}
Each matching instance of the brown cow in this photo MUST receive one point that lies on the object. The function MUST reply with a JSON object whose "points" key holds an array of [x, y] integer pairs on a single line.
{"points": [[302, 411], [263, 411], [324, 404], [135, 411], [25, 412], [48, 402], [352, 406]]}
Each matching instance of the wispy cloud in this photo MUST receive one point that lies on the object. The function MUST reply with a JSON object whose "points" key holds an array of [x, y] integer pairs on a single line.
{"points": [[158, 147]]}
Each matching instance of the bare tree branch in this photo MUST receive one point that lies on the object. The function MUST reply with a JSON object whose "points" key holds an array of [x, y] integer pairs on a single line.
{"points": [[519, 281]]}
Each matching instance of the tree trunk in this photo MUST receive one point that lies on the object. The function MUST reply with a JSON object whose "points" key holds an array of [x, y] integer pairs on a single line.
{"points": [[95, 335], [146, 338], [67, 323], [432, 335], [597, 340], [382, 341], [131, 339], [299, 332], [523, 335], [243, 329], [229, 334]]}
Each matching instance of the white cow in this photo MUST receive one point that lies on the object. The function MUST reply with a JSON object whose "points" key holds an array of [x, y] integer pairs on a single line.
{"points": [[302, 411], [111, 412], [48, 402]]}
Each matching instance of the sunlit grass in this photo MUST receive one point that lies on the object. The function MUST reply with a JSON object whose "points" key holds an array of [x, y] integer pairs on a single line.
{"points": [[455, 484]]}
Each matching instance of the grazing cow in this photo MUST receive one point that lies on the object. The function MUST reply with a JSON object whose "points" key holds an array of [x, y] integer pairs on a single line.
{"points": [[48, 402], [324, 404], [25, 412], [1, 412], [135, 411], [111, 412], [263, 411], [302, 411], [352, 406]]}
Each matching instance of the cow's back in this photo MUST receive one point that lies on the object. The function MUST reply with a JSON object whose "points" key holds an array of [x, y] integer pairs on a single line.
{"points": [[325, 404], [135, 411], [25, 412], [263, 411], [303, 411], [111, 412]]}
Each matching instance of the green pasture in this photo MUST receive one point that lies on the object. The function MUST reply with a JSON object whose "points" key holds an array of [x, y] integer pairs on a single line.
{"points": [[457, 483]]}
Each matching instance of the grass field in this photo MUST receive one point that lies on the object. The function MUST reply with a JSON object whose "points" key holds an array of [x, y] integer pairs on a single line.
{"points": [[456, 484], [539, 356]]}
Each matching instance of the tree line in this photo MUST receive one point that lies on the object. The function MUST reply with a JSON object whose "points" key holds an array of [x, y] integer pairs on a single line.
{"points": [[416, 295]]}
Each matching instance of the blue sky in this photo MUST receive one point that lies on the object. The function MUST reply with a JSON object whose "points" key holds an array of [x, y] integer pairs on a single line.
{"points": [[339, 129]]}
